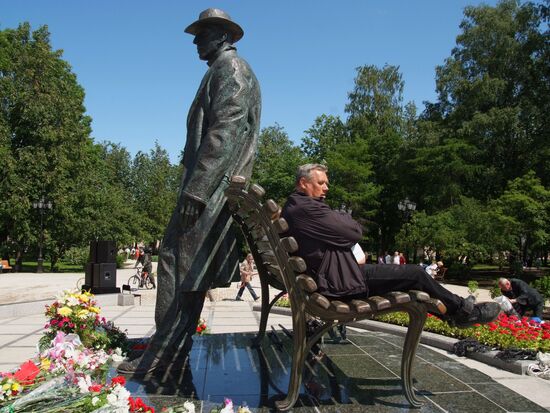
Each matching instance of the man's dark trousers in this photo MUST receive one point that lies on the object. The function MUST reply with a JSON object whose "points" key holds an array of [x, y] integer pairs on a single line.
{"points": [[382, 279]]}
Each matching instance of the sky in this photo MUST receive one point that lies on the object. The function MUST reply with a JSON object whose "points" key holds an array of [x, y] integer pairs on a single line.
{"points": [[140, 71]]}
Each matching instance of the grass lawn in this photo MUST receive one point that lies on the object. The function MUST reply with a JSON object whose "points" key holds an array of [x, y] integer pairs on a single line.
{"points": [[30, 266], [486, 267]]}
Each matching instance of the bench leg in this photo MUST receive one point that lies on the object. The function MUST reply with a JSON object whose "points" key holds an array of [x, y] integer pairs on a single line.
{"points": [[299, 353], [417, 317], [266, 306]]}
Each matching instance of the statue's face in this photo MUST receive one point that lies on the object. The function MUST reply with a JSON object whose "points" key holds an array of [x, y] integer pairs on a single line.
{"points": [[208, 41]]}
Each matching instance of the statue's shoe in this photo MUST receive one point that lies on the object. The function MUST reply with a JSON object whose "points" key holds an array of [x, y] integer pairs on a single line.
{"points": [[140, 366]]}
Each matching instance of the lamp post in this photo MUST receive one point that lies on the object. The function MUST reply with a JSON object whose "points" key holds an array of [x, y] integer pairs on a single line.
{"points": [[41, 205], [407, 207]]}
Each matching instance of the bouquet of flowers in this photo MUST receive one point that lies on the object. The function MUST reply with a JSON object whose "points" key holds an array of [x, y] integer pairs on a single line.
{"points": [[72, 365], [56, 374], [74, 312], [79, 394], [202, 328], [228, 407]]}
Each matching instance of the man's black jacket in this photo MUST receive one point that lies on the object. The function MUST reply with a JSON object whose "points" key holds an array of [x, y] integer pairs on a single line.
{"points": [[523, 293], [325, 238]]}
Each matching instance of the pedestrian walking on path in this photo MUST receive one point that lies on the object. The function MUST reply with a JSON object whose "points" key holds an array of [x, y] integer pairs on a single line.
{"points": [[248, 270]]}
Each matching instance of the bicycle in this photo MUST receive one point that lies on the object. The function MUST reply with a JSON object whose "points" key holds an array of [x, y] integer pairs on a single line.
{"points": [[79, 283], [137, 280]]}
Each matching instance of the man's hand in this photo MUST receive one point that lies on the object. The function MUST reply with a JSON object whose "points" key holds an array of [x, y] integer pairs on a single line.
{"points": [[191, 211]]}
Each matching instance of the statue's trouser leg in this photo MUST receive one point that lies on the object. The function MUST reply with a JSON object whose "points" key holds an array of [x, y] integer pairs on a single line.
{"points": [[175, 340]]}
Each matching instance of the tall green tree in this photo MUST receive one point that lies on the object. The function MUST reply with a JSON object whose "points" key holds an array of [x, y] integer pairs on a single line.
{"points": [[276, 163], [526, 203], [494, 93], [46, 129], [377, 117], [155, 185], [326, 133]]}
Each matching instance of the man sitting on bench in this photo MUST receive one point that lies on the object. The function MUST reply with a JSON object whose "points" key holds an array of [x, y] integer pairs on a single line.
{"points": [[325, 239]]}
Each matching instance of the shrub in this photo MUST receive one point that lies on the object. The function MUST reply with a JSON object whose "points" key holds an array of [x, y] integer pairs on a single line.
{"points": [[495, 291], [77, 256], [459, 270], [543, 286], [120, 260], [517, 268], [473, 286], [283, 301]]}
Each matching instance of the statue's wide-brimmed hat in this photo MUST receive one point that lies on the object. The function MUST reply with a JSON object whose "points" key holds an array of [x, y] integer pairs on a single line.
{"points": [[218, 17]]}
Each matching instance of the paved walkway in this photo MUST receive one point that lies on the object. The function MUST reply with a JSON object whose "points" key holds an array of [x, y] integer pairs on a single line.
{"points": [[19, 334]]}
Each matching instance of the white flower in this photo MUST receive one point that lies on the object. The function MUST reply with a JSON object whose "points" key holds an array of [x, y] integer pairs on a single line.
{"points": [[72, 301], [189, 406], [117, 356], [84, 384], [118, 398], [95, 400]]}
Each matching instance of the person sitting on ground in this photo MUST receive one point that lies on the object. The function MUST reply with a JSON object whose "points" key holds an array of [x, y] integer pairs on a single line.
{"points": [[325, 238], [433, 268], [247, 273], [522, 296]]}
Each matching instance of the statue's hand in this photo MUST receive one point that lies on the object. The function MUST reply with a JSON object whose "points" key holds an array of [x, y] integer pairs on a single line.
{"points": [[191, 211]]}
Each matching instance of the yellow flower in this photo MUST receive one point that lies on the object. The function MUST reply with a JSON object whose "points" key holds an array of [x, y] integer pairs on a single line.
{"points": [[83, 313], [84, 298], [94, 310], [6, 386], [15, 386], [45, 364], [64, 311]]}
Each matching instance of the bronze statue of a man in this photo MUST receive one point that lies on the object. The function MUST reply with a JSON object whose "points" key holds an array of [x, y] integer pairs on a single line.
{"points": [[199, 251]]}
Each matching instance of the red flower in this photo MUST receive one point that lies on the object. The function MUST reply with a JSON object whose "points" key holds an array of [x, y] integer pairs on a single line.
{"points": [[27, 373], [95, 388], [118, 380], [137, 405]]}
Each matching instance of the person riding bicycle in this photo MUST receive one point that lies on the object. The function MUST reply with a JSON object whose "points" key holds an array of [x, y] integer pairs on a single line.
{"points": [[147, 262]]}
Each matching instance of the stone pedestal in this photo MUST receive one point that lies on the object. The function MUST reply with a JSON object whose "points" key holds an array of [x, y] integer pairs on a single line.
{"points": [[125, 299]]}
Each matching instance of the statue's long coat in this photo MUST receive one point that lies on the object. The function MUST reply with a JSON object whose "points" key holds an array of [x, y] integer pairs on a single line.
{"points": [[222, 134]]}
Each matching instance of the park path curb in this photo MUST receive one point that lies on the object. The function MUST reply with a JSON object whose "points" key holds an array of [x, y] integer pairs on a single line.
{"points": [[25, 308], [430, 339]]}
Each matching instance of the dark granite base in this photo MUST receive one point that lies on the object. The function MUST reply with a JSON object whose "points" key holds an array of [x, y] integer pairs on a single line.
{"points": [[359, 375]]}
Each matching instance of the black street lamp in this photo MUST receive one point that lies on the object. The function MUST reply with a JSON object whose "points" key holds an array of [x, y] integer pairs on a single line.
{"points": [[407, 207], [41, 205]]}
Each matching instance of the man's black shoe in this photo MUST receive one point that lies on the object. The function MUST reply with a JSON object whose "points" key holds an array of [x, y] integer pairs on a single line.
{"points": [[481, 314]]}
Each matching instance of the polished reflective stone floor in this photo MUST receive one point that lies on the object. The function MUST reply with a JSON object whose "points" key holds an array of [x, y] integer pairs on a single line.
{"points": [[358, 375]]}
